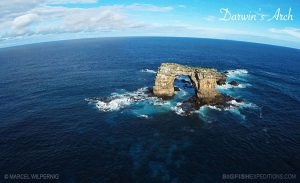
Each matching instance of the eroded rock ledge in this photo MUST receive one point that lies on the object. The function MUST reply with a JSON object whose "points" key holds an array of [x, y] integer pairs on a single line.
{"points": [[204, 81]]}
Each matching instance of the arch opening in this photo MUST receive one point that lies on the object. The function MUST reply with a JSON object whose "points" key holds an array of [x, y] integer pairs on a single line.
{"points": [[184, 83]]}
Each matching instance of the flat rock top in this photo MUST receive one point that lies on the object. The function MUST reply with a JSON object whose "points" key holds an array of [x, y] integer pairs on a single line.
{"points": [[174, 69]]}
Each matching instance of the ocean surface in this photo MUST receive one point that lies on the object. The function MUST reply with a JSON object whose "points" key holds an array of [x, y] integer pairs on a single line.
{"points": [[81, 109]]}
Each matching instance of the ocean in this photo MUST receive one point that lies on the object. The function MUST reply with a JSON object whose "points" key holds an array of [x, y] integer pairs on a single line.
{"points": [[81, 109]]}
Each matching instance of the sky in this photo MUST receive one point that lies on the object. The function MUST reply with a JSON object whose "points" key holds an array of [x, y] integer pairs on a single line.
{"points": [[276, 22]]}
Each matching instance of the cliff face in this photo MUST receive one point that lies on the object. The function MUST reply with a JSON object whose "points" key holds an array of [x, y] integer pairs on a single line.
{"points": [[204, 80]]}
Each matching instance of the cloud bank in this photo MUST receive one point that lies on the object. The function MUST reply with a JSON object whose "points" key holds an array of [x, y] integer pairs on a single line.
{"points": [[22, 20], [287, 31], [40, 18]]}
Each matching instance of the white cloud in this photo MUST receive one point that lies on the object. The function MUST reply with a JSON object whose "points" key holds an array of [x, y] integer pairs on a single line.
{"points": [[199, 31], [149, 7], [24, 20], [287, 31], [45, 20], [21, 19], [37, 17], [71, 1], [12, 8]]}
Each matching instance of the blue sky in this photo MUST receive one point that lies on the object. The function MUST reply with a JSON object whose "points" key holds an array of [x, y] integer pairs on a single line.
{"points": [[31, 21]]}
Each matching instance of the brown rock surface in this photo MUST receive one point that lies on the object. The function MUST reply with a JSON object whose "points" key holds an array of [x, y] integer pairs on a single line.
{"points": [[204, 81], [222, 79], [234, 83]]}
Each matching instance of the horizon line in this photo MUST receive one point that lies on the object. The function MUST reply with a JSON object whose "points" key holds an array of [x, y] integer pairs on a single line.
{"points": [[102, 37]]}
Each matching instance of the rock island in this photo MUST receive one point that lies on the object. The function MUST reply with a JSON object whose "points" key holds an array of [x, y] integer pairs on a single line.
{"points": [[204, 81]]}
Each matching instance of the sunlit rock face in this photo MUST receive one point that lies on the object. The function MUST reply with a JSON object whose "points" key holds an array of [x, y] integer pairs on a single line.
{"points": [[204, 81]]}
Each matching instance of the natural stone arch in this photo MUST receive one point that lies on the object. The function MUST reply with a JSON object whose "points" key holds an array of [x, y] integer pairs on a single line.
{"points": [[204, 80]]}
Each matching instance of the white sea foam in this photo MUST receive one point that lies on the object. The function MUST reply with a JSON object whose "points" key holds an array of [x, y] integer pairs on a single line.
{"points": [[232, 75], [178, 110], [237, 73], [181, 93], [230, 107], [229, 86], [122, 99], [242, 104], [235, 110], [143, 116], [149, 71], [203, 111], [236, 107], [114, 104], [158, 101], [118, 101], [214, 107]]}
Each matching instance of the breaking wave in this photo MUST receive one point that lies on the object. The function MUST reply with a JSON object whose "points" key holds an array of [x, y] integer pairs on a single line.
{"points": [[143, 116], [229, 86], [237, 107], [141, 97], [178, 109], [233, 107], [144, 104], [234, 75], [236, 111], [243, 104], [117, 101], [214, 107], [149, 71], [237, 73]]}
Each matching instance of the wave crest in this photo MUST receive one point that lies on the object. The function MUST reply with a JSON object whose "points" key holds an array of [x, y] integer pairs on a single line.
{"points": [[242, 104], [149, 71], [118, 101], [229, 86], [178, 109], [236, 73]]}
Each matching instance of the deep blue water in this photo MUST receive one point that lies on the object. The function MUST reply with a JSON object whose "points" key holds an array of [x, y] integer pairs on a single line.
{"points": [[66, 108]]}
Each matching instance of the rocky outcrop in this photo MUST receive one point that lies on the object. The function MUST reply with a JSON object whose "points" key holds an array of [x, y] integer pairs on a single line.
{"points": [[222, 79], [234, 83], [204, 81]]}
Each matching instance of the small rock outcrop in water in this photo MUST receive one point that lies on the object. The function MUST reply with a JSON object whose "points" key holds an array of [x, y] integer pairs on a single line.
{"points": [[222, 78], [204, 80], [176, 89], [234, 83]]}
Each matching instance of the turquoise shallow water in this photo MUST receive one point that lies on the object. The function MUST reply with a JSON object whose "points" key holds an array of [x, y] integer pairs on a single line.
{"points": [[81, 109]]}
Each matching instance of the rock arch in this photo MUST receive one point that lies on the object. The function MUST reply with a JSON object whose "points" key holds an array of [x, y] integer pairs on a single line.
{"points": [[204, 81]]}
